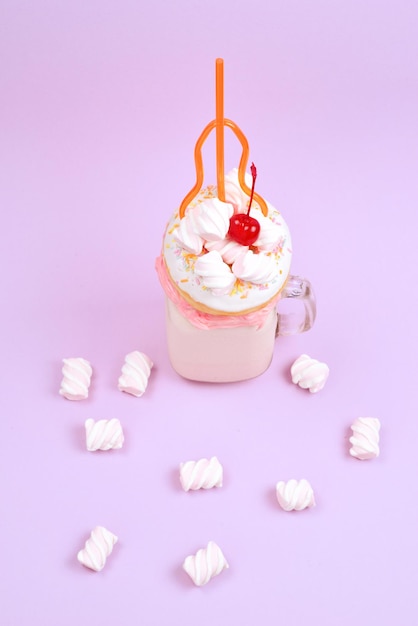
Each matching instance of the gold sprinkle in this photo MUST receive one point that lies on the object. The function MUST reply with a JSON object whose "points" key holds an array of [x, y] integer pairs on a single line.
{"points": [[189, 257], [173, 228]]}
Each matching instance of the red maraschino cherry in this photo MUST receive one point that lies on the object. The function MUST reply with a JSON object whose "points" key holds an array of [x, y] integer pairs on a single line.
{"points": [[243, 228]]}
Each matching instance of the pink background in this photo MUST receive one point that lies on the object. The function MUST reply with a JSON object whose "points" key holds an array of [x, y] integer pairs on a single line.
{"points": [[100, 106]]}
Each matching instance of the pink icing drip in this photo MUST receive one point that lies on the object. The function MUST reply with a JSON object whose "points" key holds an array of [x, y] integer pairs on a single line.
{"points": [[206, 320]]}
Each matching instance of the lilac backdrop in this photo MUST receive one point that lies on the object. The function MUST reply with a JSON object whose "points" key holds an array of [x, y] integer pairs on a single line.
{"points": [[100, 105]]}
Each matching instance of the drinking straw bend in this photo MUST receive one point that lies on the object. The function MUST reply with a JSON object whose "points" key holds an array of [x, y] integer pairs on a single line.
{"points": [[241, 168]]}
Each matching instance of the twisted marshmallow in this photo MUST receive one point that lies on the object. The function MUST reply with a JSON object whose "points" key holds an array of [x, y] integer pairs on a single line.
{"points": [[309, 373], [97, 548], [365, 438], [76, 382], [135, 373], [205, 564], [295, 495], [203, 474], [103, 435]]}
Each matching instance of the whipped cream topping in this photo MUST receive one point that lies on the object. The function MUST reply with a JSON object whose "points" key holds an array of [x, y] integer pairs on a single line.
{"points": [[309, 373], [295, 495], [202, 474], [245, 283], [365, 438], [98, 547], [205, 564], [103, 435], [76, 378]]}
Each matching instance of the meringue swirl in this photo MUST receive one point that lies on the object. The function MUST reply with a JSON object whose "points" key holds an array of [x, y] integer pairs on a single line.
{"points": [[233, 192], [211, 219], [185, 235], [227, 248], [255, 268], [215, 274]]}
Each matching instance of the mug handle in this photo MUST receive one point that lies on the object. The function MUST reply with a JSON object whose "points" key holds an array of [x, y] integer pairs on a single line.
{"points": [[302, 319]]}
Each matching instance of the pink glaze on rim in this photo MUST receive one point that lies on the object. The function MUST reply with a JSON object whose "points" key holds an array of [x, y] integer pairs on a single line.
{"points": [[206, 320]]}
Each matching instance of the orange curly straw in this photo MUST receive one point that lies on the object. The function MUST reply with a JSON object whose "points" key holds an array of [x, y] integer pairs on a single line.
{"points": [[219, 124], [220, 128]]}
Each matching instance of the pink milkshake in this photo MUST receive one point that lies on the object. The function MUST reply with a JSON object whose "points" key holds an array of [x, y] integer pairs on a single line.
{"points": [[224, 266]]}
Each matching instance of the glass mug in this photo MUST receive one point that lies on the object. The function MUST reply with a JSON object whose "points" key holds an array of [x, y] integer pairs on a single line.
{"points": [[228, 354]]}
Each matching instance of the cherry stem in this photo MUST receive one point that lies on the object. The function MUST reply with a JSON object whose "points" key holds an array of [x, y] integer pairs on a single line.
{"points": [[254, 175]]}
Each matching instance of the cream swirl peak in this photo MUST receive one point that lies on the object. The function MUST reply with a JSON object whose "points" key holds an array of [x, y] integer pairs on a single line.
{"points": [[187, 237], [255, 268], [211, 219], [215, 274], [269, 235], [233, 192]]}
